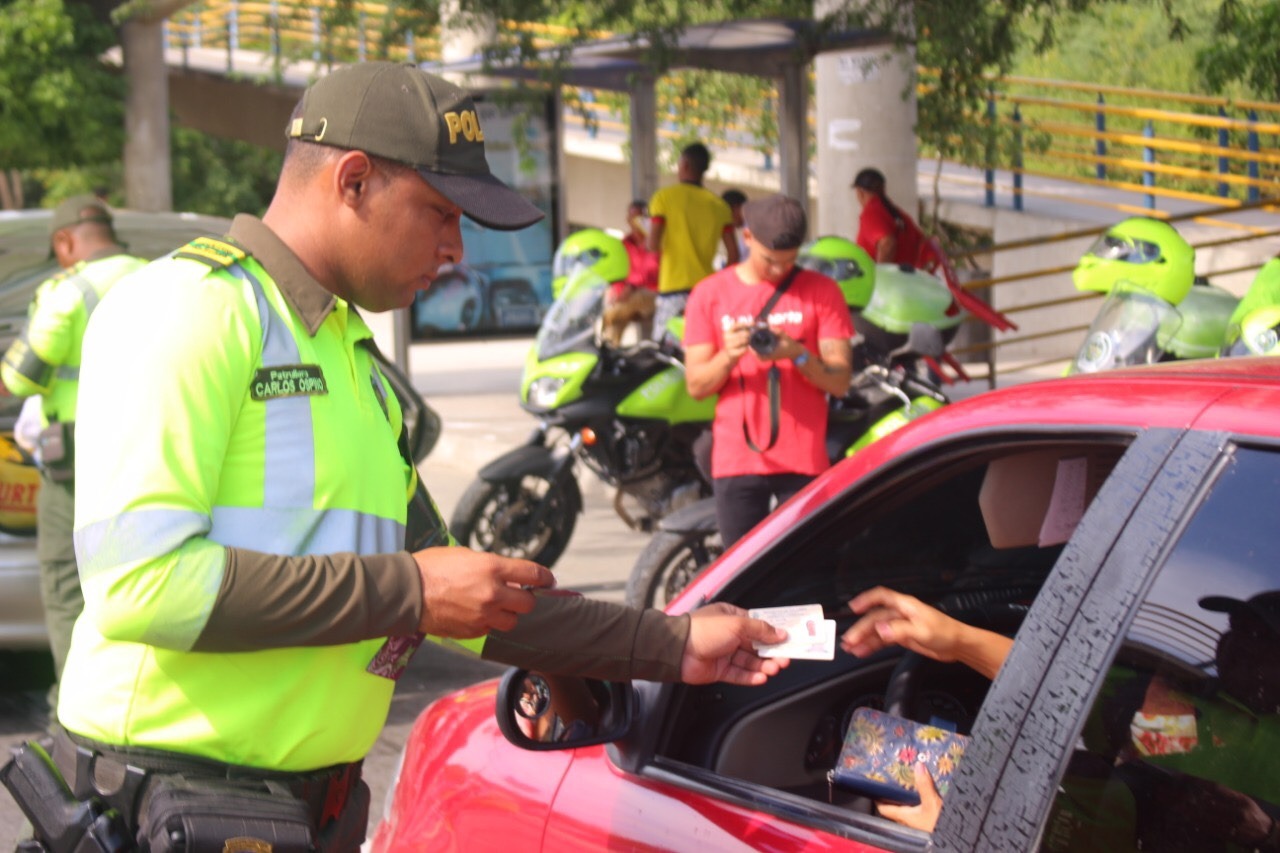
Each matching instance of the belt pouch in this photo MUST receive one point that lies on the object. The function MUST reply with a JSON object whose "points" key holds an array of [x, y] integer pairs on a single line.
{"points": [[56, 456], [197, 815]]}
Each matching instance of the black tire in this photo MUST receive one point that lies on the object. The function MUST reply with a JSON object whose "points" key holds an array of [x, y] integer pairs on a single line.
{"points": [[668, 564], [495, 517]]}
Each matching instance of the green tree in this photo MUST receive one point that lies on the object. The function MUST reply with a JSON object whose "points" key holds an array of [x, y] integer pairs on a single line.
{"points": [[59, 104], [1244, 49]]}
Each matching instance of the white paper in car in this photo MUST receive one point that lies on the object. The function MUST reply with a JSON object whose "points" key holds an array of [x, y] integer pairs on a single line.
{"points": [[1066, 504], [809, 636]]}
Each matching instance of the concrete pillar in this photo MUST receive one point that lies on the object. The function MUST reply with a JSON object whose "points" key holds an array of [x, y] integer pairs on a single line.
{"points": [[148, 182], [793, 132], [866, 116], [644, 137]]}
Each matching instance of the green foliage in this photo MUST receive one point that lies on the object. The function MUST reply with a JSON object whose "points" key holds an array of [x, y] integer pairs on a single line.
{"points": [[1245, 48], [59, 104], [221, 177]]}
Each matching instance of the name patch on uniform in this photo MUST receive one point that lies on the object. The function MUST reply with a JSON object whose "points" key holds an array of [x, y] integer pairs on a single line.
{"points": [[291, 380]]}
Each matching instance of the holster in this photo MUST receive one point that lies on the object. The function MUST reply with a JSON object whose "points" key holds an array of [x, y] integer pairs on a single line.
{"points": [[57, 451]]}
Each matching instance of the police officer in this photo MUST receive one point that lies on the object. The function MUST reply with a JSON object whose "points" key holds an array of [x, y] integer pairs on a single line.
{"points": [[249, 599], [45, 361]]}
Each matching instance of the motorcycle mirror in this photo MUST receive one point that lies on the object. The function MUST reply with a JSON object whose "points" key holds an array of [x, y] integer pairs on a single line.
{"points": [[925, 340], [540, 711]]}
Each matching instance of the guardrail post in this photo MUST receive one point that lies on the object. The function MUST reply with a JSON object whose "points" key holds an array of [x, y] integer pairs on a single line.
{"points": [[361, 46], [1100, 144], [1224, 140], [233, 34], [408, 46], [989, 174], [1149, 156], [1017, 158], [1254, 193], [197, 35]]}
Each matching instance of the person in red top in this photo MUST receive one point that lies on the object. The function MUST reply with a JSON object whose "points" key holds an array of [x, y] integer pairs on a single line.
{"points": [[885, 231], [770, 427], [633, 299]]}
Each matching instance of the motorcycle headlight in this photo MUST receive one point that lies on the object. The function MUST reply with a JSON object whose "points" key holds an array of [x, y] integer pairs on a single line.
{"points": [[544, 390]]}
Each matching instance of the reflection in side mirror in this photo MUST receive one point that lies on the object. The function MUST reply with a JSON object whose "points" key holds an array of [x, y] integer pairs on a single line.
{"points": [[539, 711]]}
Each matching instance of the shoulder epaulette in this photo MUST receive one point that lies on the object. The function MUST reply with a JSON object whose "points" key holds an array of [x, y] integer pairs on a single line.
{"points": [[63, 273], [217, 252]]}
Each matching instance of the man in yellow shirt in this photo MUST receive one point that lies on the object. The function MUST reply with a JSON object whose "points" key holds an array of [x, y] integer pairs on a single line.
{"points": [[687, 223]]}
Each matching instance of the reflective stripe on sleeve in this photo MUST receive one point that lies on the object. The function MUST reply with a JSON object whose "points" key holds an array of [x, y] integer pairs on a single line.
{"points": [[68, 374], [24, 361], [135, 536]]}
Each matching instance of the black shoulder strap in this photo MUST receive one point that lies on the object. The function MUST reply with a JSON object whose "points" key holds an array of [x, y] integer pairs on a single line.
{"points": [[775, 375]]}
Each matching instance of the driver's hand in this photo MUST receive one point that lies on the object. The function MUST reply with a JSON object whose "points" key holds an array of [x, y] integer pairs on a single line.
{"points": [[924, 816], [891, 618]]}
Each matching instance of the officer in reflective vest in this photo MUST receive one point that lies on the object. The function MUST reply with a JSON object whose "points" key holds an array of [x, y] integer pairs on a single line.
{"points": [[249, 597], [45, 361]]}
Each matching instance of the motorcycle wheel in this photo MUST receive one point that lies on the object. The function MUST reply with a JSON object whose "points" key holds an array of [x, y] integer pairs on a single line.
{"points": [[496, 517], [668, 564]]}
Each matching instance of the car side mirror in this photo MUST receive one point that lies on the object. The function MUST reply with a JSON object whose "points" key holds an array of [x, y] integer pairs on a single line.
{"points": [[540, 711]]}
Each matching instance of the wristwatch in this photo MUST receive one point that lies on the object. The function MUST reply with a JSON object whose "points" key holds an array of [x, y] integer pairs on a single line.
{"points": [[801, 360]]}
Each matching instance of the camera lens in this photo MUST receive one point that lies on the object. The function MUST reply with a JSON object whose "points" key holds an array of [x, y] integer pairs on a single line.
{"points": [[763, 340]]}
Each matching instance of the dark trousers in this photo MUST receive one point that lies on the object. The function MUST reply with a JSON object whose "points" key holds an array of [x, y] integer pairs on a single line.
{"points": [[741, 502]]}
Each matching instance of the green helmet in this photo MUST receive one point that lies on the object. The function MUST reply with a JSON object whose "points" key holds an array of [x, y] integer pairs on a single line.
{"points": [[1147, 252], [846, 262], [589, 249]]}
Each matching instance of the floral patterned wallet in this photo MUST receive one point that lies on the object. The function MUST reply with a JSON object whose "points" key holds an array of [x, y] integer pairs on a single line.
{"points": [[881, 750]]}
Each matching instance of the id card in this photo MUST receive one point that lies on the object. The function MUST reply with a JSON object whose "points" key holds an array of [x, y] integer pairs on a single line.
{"points": [[809, 635]]}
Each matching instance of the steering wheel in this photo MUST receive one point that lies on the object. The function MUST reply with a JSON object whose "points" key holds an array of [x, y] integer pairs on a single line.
{"points": [[920, 684]]}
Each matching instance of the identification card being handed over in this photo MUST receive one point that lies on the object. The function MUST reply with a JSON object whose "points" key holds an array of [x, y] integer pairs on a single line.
{"points": [[809, 636]]}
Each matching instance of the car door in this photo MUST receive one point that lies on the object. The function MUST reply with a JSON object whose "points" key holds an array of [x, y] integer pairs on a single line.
{"points": [[729, 768], [1155, 724]]}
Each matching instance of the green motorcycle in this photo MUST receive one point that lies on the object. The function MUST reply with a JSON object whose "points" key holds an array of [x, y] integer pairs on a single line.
{"points": [[623, 413]]}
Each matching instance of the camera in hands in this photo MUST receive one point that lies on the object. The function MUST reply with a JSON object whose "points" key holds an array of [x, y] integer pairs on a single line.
{"points": [[763, 339]]}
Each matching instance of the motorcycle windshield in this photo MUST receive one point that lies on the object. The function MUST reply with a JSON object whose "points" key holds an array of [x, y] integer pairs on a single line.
{"points": [[572, 323], [1129, 329]]}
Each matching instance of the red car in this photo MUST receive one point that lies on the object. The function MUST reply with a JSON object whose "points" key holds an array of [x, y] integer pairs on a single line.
{"points": [[1123, 524]]}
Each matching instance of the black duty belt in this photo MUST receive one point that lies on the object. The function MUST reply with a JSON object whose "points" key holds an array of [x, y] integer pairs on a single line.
{"points": [[120, 776]]}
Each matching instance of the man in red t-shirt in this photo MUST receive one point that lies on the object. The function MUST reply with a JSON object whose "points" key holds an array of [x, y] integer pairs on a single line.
{"points": [[761, 452]]}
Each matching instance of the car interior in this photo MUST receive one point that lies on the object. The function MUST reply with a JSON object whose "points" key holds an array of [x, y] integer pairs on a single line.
{"points": [[975, 535]]}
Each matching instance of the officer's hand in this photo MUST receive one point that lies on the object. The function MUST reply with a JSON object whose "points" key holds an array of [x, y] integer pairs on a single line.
{"points": [[469, 593], [719, 647]]}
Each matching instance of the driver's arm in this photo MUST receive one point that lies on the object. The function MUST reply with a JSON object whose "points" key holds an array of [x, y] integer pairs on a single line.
{"points": [[892, 618]]}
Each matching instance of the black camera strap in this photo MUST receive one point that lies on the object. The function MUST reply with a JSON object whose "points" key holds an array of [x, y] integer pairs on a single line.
{"points": [[775, 375]]}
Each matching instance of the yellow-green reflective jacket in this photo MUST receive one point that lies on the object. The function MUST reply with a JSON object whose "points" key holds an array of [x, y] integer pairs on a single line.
{"points": [[211, 418], [45, 358]]}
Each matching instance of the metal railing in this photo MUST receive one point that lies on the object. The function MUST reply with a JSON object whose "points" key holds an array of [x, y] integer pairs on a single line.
{"points": [[1139, 145]]}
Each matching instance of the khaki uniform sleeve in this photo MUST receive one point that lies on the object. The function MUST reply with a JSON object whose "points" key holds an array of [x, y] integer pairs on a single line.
{"points": [[269, 601], [573, 635]]}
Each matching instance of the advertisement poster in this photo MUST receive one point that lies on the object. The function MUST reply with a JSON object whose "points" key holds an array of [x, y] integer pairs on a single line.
{"points": [[503, 285]]}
